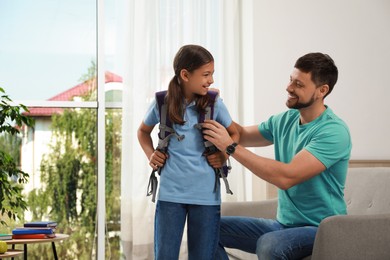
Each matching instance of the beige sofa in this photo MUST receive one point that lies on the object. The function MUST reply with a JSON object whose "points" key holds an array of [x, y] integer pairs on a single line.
{"points": [[363, 234]]}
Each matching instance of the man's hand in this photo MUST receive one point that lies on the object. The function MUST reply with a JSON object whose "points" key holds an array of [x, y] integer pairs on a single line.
{"points": [[217, 134]]}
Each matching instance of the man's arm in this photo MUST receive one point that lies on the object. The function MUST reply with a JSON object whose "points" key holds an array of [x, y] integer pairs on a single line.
{"points": [[218, 159], [283, 175], [250, 136]]}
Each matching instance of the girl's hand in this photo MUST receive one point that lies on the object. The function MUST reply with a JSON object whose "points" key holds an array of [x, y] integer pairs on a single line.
{"points": [[217, 160], [157, 159]]}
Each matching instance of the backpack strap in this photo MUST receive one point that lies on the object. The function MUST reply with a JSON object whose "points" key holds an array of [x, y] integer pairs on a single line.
{"points": [[210, 148], [164, 135], [165, 126], [223, 173], [152, 186]]}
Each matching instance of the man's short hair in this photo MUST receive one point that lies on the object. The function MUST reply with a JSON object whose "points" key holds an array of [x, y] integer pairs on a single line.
{"points": [[322, 67]]}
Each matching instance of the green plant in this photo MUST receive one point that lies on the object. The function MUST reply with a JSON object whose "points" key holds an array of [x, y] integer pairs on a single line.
{"points": [[11, 177], [70, 166]]}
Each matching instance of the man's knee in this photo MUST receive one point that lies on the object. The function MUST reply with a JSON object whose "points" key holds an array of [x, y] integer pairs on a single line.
{"points": [[268, 247]]}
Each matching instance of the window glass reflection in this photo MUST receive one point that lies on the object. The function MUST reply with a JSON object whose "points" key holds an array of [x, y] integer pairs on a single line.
{"points": [[45, 46]]}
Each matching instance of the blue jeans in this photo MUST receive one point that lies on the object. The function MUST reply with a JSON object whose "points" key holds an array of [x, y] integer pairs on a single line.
{"points": [[265, 237], [202, 230]]}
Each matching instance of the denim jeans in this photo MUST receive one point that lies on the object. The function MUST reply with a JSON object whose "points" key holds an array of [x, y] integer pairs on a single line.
{"points": [[265, 237], [202, 230]]}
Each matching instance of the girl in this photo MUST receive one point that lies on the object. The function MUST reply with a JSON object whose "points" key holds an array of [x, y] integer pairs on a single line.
{"points": [[187, 180]]}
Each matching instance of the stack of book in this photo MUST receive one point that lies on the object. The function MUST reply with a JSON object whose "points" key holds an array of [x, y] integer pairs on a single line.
{"points": [[35, 230], [5, 237]]}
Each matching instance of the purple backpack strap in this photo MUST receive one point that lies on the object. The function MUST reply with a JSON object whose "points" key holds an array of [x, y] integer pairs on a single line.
{"points": [[166, 131], [164, 118], [209, 114], [210, 107], [210, 148]]}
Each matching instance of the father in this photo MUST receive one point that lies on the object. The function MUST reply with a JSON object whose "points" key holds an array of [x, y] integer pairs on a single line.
{"points": [[312, 149]]}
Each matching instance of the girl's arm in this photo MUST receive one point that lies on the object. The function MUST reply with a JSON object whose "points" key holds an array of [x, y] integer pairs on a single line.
{"points": [[156, 158]]}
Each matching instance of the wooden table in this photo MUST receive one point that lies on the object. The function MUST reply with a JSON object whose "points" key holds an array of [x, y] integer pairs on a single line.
{"points": [[11, 253], [59, 237]]}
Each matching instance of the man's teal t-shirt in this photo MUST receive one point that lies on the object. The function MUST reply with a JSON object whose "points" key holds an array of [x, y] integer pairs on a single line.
{"points": [[328, 139]]}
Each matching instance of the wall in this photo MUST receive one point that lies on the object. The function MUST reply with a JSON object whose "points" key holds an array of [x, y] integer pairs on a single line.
{"points": [[35, 146], [355, 33]]}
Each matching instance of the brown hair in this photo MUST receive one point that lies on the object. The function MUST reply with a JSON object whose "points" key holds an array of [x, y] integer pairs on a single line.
{"points": [[322, 67], [190, 58]]}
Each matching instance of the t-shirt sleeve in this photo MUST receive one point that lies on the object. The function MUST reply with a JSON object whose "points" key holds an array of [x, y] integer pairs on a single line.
{"points": [[152, 116], [222, 115], [331, 144], [266, 129]]}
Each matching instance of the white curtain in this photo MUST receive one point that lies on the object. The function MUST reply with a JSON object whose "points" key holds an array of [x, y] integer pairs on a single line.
{"points": [[153, 31]]}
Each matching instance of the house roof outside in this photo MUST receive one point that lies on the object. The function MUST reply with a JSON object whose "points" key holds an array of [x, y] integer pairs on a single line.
{"points": [[68, 95]]}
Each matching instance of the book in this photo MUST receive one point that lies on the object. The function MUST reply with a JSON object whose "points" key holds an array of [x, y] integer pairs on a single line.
{"points": [[40, 224], [25, 231], [5, 237], [53, 228], [33, 236]]}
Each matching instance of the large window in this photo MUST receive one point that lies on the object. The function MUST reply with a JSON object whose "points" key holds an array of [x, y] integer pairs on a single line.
{"points": [[48, 53], [88, 70], [45, 46]]}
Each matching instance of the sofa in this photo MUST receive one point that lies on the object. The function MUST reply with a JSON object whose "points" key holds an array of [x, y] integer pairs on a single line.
{"points": [[364, 233]]}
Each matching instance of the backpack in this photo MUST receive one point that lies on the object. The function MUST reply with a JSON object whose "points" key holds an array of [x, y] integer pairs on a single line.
{"points": [[167, 132]]}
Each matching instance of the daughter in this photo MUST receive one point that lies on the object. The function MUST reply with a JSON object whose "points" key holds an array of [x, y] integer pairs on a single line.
{"points": [[187, 180]]}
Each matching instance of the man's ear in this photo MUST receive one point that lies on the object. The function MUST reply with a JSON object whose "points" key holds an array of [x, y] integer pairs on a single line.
{"points": [[184, 75], [324, 89]]}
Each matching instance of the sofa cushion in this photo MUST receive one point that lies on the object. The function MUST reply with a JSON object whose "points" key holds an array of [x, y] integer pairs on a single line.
{"points": [[367, 191]]}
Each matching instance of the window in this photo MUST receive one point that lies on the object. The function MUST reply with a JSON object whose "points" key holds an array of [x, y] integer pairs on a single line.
{"points": [[53, 61]]}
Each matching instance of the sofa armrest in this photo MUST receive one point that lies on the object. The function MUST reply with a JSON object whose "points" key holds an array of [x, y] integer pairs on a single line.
{"points": [[353, 237], [258, 209]]}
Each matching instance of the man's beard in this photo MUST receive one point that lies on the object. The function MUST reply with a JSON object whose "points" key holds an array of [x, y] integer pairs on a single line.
{"points": [[299, 105]]}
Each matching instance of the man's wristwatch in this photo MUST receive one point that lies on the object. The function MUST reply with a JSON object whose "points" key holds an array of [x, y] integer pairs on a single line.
{"points": [[231, 148]]}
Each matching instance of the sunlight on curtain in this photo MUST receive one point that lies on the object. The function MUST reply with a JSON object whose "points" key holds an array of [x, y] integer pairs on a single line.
{"points": [[153, 32]]}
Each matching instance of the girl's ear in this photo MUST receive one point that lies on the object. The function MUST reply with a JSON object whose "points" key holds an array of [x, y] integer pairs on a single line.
{"points": [[184, 75]]}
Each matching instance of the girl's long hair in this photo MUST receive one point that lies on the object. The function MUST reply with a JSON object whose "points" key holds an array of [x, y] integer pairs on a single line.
{"points": [[190, 58]]}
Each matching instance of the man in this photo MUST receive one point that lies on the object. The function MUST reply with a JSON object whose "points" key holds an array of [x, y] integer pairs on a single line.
{"points": [[312, 149]]}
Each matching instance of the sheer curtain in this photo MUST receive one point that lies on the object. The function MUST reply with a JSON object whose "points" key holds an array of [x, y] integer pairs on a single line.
{"points": [[153, 32]]}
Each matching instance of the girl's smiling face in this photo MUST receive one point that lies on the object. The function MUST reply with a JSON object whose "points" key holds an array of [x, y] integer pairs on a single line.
{"points": [[198, 81]]}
